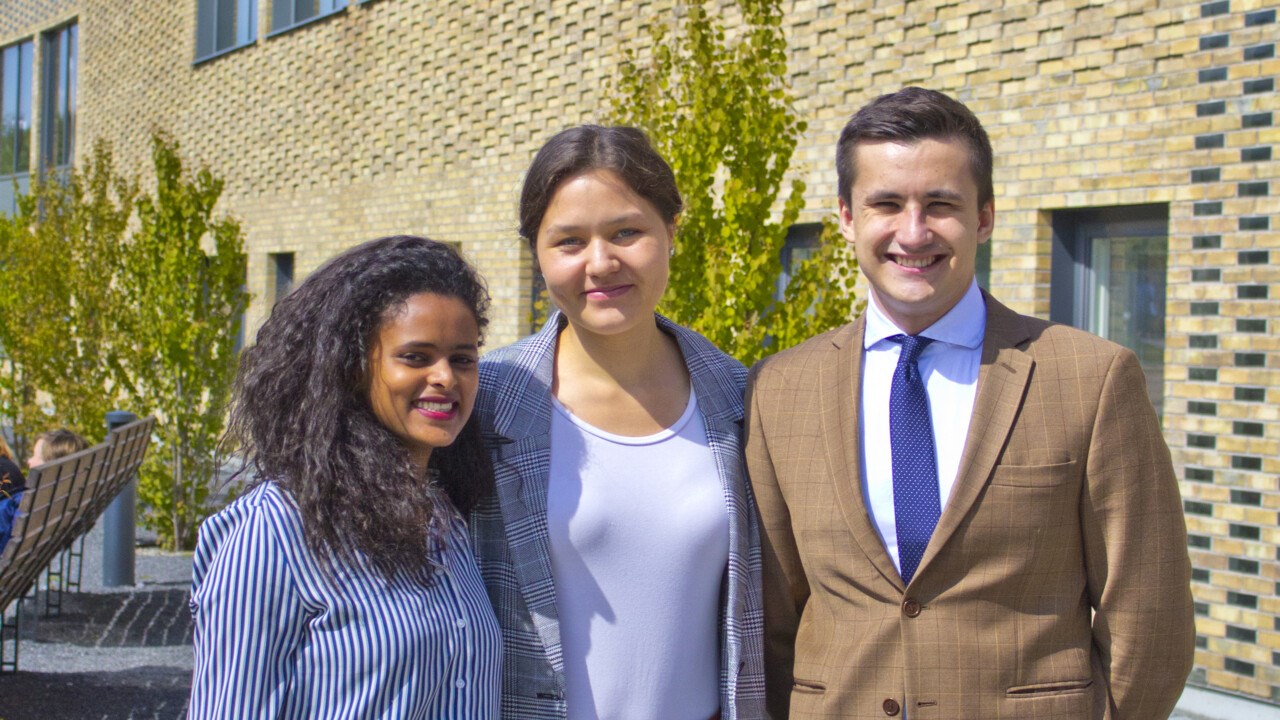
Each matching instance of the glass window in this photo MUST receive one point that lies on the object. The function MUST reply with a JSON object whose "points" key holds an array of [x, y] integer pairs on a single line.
{"points": [[287, 13], [1109, 277], [58, 90], [801, 243], [282, 271], [223, 25], [15, 122]]}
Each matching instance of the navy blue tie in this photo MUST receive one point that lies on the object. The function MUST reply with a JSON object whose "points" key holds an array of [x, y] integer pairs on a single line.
{"points": [[916, 505]]}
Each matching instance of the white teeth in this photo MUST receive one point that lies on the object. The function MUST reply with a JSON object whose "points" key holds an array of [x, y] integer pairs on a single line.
{"points": [[914, 262], [434, 406]]}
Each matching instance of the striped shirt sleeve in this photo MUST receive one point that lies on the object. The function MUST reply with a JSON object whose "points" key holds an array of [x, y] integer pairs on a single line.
{"points": [[248, 617]]}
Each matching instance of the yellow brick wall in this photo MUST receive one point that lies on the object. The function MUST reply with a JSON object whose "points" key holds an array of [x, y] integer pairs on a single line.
{"points": [[416, 116]]}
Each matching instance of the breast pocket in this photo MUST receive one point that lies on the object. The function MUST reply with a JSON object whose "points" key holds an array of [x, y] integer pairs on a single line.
{"points": [[1035, 476]]}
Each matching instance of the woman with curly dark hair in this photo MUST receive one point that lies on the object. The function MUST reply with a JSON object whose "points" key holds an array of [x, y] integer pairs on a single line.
{"points": [[341, 584]]}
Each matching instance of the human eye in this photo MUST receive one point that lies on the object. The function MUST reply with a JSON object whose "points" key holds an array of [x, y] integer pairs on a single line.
{"points": [[568, 242], [465, 361], [414, 358], [627, 232]]}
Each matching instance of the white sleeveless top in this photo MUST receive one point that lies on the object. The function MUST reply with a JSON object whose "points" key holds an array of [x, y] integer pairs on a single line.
{"points": [[639, 530]]}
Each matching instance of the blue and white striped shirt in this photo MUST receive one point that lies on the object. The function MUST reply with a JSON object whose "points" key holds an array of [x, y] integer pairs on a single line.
{"points": [[277, 638]]}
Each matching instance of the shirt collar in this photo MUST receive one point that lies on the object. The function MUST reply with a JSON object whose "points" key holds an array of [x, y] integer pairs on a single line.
{"points": [[963, 325]]}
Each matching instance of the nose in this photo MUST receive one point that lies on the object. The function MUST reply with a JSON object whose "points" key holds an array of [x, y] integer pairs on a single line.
{"points": [[600, 259], [441, 374], [913, 227]]}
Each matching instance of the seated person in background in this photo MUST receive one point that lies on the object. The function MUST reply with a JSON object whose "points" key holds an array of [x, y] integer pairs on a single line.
{"points": [[12, 484], [53, 444]]}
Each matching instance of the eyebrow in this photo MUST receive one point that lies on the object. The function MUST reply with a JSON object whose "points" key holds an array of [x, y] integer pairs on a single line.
{"points": [[939, 194], [622, 219], [420, 344]]}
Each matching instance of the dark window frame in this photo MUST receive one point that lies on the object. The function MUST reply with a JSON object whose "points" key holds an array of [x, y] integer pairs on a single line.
{"points": [[1072, 275]]}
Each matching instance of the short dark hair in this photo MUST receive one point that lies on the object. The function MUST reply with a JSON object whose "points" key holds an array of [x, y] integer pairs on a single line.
{"points": [[910, 115], [623, 150], [301, 414]]}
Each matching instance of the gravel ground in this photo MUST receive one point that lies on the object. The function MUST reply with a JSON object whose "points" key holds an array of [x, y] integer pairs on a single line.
{"points": [[111, 653]]}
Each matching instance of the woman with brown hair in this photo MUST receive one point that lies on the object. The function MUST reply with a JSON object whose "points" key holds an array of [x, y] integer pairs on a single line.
{"points": [[621, 552]]}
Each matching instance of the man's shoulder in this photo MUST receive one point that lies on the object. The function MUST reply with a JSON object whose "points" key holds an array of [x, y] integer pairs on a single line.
{"points": [[1046, 340], [804, 358]]}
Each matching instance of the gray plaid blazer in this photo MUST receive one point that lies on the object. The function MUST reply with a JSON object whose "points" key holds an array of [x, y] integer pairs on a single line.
{"points": [[510, 530]]}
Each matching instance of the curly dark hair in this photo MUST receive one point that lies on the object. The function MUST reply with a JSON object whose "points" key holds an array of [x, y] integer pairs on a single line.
{"points": [[302, 419]]}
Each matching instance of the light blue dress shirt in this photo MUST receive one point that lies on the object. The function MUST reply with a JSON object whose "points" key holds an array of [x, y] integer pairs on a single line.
{"points": [[949, 367]]}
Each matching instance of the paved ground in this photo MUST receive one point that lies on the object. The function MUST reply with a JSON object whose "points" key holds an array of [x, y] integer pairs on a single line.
{"points": [[125, 653], [112, 653]]}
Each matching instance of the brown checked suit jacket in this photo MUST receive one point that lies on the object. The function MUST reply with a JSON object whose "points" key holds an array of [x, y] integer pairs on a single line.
{"points": [[1056, 584]]}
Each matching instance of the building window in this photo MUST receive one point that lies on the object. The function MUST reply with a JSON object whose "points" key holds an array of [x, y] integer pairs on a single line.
{"points": [[982, 265], [286, 14], [1109, 277], [282, 275], [15, 122], [58, 93], [223, 25], [802, 242]]}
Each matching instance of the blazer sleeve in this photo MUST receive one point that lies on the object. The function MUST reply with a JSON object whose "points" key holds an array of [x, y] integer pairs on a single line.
{"points": [[248, 619], [785, 588], [1138, 571]]}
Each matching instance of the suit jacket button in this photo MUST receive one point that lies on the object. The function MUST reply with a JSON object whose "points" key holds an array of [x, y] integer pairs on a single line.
{"points": [[891, 707], [911, 608]]}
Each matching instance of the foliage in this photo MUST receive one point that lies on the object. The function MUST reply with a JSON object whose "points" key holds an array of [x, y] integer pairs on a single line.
{"points": [[109, 300], [58, 305], [186, 307], [720, 111]]}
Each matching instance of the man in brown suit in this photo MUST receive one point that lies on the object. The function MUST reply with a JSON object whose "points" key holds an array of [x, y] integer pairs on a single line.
{"points": [[1029, 502]]}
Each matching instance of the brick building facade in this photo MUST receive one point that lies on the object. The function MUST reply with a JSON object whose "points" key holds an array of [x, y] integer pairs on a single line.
{"points": [[1134, 175]]}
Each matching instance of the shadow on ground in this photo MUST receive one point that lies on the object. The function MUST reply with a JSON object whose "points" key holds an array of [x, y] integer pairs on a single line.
{"points": [[96, 659], [153, 618], [143, 693]]}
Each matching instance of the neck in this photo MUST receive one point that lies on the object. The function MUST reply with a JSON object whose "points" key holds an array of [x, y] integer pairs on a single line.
{"points": [[626, 358]]}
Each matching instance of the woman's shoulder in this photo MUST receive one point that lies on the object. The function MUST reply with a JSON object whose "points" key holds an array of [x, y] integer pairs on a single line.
{"points": [[263, 514], [703, 357]]}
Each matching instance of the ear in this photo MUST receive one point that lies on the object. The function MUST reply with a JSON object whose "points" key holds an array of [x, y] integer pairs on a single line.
{"points": [[846, 222], [986, 221]]}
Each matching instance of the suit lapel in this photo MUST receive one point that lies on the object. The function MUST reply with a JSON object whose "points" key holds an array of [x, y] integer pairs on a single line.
{"points": [[1002, 384], [522, 472], [842, 434]]}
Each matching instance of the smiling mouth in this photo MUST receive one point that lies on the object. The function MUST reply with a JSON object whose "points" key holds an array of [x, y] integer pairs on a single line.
{"points": [[915, 263], [604, 293], [436, 409]]}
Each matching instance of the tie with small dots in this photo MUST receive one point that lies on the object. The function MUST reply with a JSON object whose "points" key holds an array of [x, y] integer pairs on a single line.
{"points": [[916, 505]]}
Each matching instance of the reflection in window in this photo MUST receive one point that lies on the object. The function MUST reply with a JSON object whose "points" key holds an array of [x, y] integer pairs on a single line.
{"points": [[15, 122], [58, 91], [802, 242], [223, 25], [1109, 277], [287, 13]]}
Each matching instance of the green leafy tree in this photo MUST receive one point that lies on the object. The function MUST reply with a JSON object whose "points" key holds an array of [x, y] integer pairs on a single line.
{"points": [[719, 109], [58, 304], [185, 308]]}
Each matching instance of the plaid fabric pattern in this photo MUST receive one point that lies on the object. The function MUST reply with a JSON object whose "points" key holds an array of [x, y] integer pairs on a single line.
{"points": [[511, 540], [1056, 584]]}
